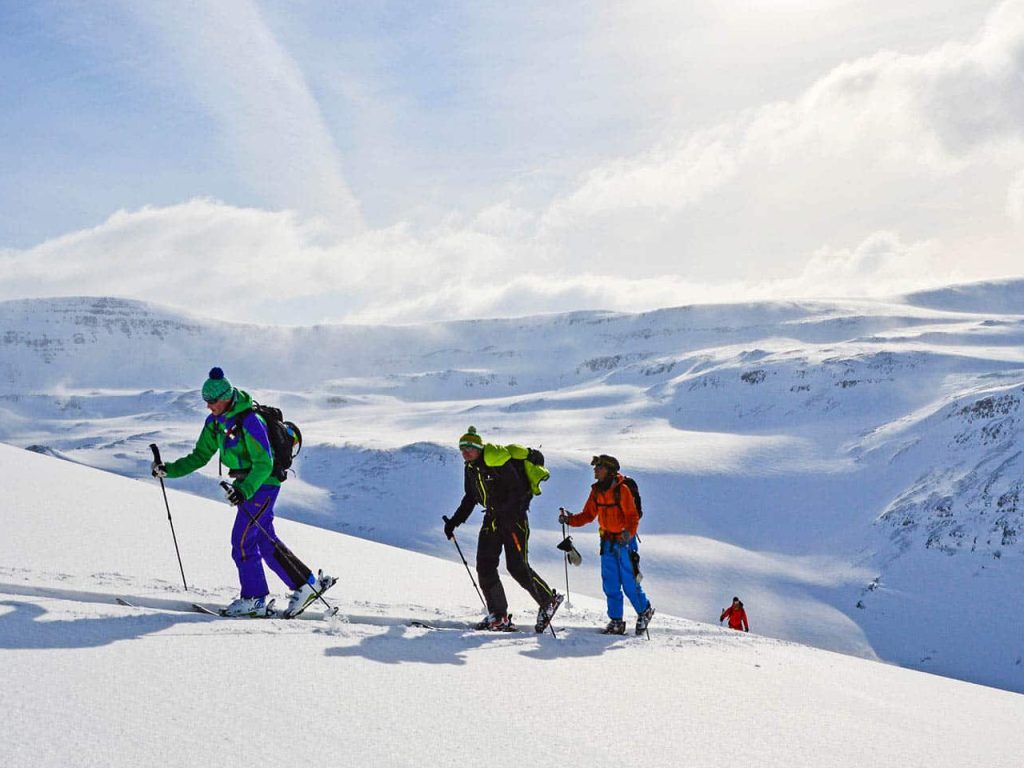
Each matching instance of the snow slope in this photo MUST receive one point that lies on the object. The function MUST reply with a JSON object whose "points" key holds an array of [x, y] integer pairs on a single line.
{"points": [[850, 468], [90, 683]]}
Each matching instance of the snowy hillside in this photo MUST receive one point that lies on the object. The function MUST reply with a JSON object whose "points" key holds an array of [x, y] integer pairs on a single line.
{"points": [[852, 469], [88, 682]]}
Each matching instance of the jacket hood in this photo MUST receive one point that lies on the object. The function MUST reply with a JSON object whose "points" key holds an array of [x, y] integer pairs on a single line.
{"points": [[609, 482], [243, 401]]}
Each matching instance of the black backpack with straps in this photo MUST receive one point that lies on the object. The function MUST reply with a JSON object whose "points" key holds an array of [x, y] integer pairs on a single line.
{"points": [[630, 483], [285, 437]]}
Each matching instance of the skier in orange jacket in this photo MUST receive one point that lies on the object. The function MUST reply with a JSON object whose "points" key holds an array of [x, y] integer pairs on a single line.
{"points": [[736, 615], [612, 503]]}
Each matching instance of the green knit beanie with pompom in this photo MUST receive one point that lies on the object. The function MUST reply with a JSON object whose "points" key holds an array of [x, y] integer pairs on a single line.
{"points": [[471, 440], [217, 387]]}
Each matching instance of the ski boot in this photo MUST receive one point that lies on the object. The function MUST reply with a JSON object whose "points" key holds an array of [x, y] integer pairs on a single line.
{"points": [[547, 612], [492, 623], [614, 627], [254, 607], [503, 624], [300, 598], [644, 619], [486, 622]]}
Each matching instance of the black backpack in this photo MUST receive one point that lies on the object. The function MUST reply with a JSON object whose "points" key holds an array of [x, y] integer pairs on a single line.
{"points": [[285, 437], [630, 483]]}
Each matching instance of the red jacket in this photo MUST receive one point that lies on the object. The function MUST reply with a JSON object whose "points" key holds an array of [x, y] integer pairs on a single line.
{"points": [[737, 618], [613, 516]]}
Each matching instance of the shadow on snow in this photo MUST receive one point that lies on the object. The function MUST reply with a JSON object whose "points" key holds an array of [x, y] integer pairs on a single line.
{"points": [[23, 629]]}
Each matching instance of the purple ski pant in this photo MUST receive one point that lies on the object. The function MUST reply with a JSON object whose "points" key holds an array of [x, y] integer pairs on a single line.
{"points": [[251, 544]]}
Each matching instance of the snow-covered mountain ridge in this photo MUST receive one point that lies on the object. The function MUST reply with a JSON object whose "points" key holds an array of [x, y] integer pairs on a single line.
{"points": [[852, 468]]}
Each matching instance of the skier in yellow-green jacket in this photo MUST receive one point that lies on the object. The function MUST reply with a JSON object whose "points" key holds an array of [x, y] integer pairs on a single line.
{"points": [[498, 482]]}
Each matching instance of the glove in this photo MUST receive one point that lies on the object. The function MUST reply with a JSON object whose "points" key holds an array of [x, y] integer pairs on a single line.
{"points": [[449, 526], [234, 496], [563, 515], [625, 537], [158, 469]]}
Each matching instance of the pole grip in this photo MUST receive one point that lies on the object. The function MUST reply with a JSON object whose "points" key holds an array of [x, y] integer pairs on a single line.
{"points": [[156, 453]]}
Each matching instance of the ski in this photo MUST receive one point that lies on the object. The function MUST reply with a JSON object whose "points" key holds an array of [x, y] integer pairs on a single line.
{"points": [[333, 611], [422, 625], [308, 615], [218, 612], [466, 628], [271, 613], [458, 628]]}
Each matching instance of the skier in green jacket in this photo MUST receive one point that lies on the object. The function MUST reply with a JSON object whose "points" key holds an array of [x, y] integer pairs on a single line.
{"points": [[240, 436]]}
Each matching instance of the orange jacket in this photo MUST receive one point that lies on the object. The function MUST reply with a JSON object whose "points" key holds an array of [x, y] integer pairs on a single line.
{"points": [[612, 516], [737, 618]]}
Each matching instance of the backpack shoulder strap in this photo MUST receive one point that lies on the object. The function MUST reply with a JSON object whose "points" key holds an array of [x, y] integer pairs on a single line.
{"points": [[630, 483], [239, 418]]}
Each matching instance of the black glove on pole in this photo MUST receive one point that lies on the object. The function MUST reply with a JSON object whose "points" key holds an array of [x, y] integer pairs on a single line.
{"points": [[156, 458], [447, 522], [279, 547]]}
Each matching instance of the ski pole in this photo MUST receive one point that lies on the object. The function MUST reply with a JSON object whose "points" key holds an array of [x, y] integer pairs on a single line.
{"points": [[456, 542], [568, 602], [279, 546], [156, 457]]}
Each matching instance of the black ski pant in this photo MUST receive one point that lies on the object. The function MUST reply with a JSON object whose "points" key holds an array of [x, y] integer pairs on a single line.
{"points": [[514, 538]]}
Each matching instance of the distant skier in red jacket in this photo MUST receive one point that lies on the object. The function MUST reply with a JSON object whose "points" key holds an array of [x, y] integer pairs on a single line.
{"points": [[736, 615]]}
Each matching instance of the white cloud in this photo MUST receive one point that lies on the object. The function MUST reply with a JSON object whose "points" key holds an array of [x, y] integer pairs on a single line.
{"points": [[252, 265], [928, 113], [879, 178], [920, 142], [881, 265]]}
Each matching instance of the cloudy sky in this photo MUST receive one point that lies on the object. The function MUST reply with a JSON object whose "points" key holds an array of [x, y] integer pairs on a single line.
{"points": [[303, 161]]}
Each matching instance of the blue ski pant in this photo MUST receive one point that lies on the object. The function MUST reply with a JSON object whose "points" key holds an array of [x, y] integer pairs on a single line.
{"points": [[254, 541], [617, 577]]}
